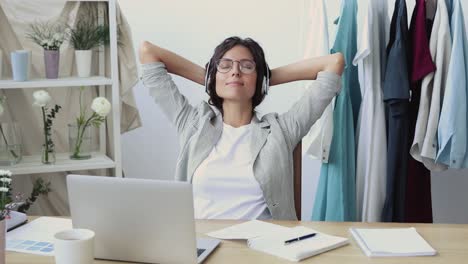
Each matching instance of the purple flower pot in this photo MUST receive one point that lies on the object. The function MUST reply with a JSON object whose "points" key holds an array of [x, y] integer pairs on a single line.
{"points": [[51, 61]]}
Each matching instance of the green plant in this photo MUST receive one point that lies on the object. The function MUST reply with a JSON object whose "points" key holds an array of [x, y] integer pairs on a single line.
{"points": [[87, 34], [40, 187], [41, 99], [9, 203], [101, 108], [5, 193]]}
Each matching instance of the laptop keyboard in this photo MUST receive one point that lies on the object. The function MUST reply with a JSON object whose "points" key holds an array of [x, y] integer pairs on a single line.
{"points": [[200, 251]]}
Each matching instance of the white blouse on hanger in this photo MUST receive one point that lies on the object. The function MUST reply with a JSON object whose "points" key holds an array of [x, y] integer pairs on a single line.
{"points": [[371, 158], [317, 142]]}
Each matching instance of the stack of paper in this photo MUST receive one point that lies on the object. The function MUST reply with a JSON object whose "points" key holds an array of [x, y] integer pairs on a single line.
{"points": [[36, 237], [391, 242], [15, 219], [270, 238]]}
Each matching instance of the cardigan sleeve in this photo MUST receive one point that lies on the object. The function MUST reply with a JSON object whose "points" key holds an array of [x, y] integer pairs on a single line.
{"points": [[297, 122], [166, 94]]}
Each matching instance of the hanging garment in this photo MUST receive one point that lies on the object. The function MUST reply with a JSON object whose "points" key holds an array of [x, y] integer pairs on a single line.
{"points": [[396, 98], [316, 144], [371, 138], [425, 143], [452, 130], [335, 197], [418, 203], [449, 4]]}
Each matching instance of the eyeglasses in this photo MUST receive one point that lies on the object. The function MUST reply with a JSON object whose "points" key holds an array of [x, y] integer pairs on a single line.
{"points": [[225, 65]]}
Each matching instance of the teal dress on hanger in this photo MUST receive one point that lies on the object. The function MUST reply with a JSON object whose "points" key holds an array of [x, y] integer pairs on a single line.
{"points": [[335, 199]]}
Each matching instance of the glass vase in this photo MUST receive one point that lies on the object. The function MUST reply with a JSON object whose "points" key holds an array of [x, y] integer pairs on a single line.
{"points": [[48, 154], [11, 147], [79, 140]]}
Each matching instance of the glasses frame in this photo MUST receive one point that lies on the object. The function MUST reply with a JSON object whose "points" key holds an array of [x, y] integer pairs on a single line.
{"points": [[242, 69]]}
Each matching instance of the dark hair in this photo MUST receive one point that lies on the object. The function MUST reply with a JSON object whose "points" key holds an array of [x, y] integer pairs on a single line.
{"points": [[258, 57]]}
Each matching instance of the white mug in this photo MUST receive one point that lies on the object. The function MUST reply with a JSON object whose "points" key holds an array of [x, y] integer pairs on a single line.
{"points": [[74, 246]]}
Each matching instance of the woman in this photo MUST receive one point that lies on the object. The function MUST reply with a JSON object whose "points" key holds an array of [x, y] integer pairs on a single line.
{"points": [[240, 167]]}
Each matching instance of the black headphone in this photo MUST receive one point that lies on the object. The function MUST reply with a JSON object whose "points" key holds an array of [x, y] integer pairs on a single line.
{"points": [[265, 81]]}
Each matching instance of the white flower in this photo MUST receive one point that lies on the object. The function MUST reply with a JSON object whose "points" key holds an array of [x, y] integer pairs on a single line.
{"points": [[43, 42], [3, 189], [5, 173], [57, 36], [7, 180], [41, 98], [101, 106]]}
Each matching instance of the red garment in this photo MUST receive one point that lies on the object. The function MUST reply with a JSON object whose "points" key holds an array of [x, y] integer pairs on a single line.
{"points": [[422, 63], [418, 204]]}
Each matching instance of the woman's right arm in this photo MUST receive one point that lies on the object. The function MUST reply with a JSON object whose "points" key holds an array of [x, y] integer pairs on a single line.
{"points": [[156, 63], [174, 63]]}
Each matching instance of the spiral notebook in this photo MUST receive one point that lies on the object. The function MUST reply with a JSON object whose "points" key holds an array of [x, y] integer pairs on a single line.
{"points": [[269, 238], [391, 242]]}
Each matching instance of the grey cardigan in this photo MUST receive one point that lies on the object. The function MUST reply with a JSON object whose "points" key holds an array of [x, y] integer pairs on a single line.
{"points": [[274, 137]]}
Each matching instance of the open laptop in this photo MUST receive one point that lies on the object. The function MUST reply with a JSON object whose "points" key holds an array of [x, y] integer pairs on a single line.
{"points": [[138, 220]]}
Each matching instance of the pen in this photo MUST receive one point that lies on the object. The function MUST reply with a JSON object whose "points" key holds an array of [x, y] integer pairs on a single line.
{"points": [[287, 242]]}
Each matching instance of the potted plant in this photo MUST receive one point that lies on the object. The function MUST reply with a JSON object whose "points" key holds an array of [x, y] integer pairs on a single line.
{"points": [[85, 36], [79, 133], [9, 202], [50, 36]]}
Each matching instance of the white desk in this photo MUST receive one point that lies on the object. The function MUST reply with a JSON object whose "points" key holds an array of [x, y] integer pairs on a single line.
{"points": [[451, 242]]}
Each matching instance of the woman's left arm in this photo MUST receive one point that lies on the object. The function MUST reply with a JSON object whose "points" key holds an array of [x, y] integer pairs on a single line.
{"points": [[307, 69]]}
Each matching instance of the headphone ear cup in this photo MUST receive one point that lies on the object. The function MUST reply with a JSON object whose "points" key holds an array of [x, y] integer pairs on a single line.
{"points": [[264, 87], [266, 80]]}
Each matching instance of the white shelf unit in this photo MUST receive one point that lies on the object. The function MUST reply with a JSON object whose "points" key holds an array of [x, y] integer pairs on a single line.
{"points": [[32, 164], [62, 82], [108, 87]]}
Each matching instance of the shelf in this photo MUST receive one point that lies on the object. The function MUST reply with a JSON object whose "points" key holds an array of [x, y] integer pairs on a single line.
{"points": [[32, 164], [60, 82], [108, 87]]}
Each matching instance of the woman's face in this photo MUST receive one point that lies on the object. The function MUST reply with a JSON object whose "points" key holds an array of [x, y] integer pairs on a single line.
{"points": [[235, 85]]}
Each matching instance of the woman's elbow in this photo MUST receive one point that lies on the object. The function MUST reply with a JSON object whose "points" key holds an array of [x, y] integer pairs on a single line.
{"points": [[336, 64], [148, 52]]}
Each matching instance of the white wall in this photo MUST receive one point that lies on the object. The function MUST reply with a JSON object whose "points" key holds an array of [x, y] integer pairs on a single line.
{"points": [[192, 29]]}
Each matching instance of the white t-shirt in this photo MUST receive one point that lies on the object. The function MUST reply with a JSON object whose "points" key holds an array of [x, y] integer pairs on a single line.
{"points": [[224, 186]]}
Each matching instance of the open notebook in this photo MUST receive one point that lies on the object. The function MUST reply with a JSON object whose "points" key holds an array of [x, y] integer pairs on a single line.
{"points": [[391, 242], [269, 238]]}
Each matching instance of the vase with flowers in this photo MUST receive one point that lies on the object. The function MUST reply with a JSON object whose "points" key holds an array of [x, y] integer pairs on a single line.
{"points": [[79, 133], [42, 99], [10, 140], [9, 203], [5, 207], [50, 36]]}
